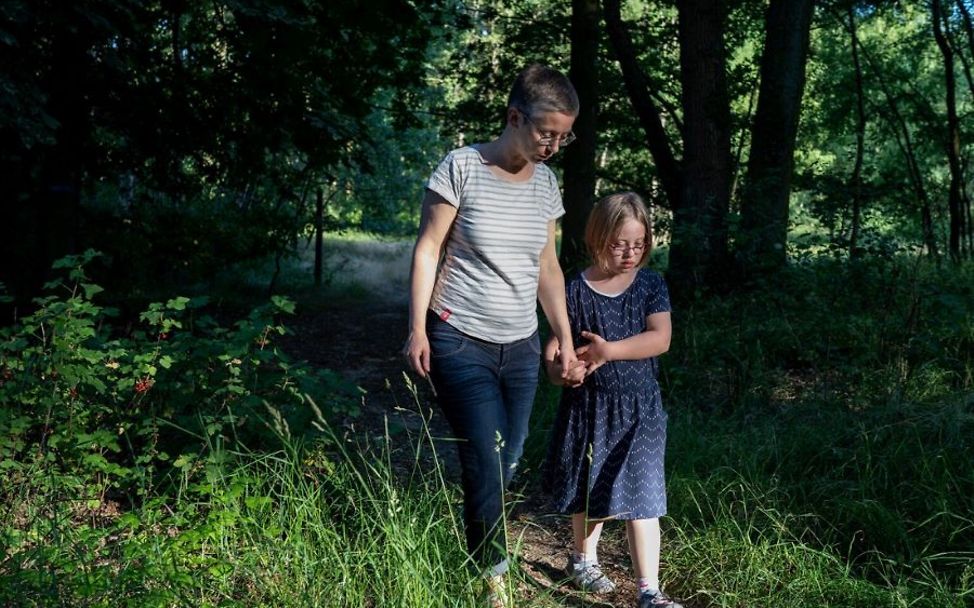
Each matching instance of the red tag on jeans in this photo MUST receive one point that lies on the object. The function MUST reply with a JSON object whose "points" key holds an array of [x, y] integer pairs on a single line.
{"points": [[445, 314]]}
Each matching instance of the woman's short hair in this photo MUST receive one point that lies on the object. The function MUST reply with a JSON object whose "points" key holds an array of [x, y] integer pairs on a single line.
{"points": [[539, 88], [606, 220]]}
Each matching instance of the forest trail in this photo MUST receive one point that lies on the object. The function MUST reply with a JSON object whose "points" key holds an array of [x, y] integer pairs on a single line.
{"points": [[361, 338]]}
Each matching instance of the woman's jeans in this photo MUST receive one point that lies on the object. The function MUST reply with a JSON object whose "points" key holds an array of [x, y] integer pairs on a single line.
{"points": [[486, 391]]}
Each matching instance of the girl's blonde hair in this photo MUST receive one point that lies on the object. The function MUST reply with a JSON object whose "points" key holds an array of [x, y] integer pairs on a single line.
{"points": [[606, 220]]}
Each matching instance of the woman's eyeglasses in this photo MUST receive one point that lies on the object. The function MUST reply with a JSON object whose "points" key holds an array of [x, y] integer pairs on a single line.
{"points": [[549, 139]]}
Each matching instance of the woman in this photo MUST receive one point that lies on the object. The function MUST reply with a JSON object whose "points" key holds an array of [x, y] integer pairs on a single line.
{"points": [[491, 209]]}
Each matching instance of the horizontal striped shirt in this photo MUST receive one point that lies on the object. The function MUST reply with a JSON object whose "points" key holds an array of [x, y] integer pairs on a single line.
{"points": [[487, 284]]}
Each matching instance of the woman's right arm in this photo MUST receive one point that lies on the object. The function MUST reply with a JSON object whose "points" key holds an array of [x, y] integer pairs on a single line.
{"points": [[434, 227]]}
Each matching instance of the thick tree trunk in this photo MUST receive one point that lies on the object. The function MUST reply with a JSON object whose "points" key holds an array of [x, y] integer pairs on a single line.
{"points": [[955, 196], [767, 186], [580, 156], [698, 252]]}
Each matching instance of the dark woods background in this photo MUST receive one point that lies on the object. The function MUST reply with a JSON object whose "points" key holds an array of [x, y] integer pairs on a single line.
{"points": [[163, 440], [179, 137]]}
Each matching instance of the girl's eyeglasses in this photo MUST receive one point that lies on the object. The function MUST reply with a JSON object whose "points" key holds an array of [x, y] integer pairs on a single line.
{"points": [[549, 139], [621, 248]]}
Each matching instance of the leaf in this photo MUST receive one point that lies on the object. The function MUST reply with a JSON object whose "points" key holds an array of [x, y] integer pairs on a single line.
{"points": [[283, 303], [256, 502], [91, 289], [177, 303]]}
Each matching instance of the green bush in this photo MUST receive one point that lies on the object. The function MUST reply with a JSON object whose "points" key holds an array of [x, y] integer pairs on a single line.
{"points": [[98, 421]]}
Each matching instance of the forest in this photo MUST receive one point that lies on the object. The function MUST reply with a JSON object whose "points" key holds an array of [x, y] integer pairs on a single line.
{"points": [[202, 396]]}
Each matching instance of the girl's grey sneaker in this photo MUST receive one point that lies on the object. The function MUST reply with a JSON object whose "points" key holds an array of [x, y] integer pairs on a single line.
{"points": [[656, 599], [587, 576]]}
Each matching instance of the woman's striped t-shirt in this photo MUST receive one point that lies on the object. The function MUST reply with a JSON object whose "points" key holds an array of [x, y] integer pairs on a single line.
{"points": [[487, 284]]}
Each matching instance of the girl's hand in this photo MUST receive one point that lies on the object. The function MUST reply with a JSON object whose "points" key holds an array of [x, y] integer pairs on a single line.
{"points": [[595, 353], [417, 353]]}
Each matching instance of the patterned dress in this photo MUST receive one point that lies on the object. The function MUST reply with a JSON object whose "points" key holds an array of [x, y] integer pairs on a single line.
{"points": [[606, 454]]}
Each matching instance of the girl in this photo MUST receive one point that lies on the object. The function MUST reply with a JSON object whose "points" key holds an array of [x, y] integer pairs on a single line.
{"points": [[606, 457], [484, 257]]}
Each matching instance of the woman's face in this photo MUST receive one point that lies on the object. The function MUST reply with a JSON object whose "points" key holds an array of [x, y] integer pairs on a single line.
{"points": [[544, 133], [625, 251]]}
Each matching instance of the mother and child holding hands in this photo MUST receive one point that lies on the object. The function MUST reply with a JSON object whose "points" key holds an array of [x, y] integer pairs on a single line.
{"points": [[484, 257]]}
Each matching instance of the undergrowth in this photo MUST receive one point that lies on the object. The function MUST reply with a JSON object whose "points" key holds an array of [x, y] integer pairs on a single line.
{"points": [[819, 454]]}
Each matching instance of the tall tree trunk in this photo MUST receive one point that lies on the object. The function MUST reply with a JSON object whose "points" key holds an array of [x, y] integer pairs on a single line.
{"points": [[767, 187], [698, 252], [699, 190], [580, 156], [955, 196], [639, 90], [860, 140]]}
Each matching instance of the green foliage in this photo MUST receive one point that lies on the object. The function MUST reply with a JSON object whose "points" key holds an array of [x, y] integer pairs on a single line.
{"points": [[180, 137], [819, 438], [903, 332], [820, 501], [90, 418], [305, 523]]}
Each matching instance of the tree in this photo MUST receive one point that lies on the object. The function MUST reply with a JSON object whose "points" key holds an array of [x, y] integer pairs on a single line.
{"points": [[698, 253], [178, 136], [698, 188], [856, 178], [766, 193], [579, 162], [956, 195]]}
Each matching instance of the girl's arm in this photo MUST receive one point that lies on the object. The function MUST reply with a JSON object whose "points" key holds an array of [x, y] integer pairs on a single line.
{"points": [[434, 226], [653, 341], [551, 293]]}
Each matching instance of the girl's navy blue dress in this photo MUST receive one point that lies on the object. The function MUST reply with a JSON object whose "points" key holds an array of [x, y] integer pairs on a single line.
{"points": [[606, 454]]}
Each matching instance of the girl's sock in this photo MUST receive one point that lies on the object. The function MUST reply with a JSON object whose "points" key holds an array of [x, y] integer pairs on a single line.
{"points": [[583, 559], [644, 586]]}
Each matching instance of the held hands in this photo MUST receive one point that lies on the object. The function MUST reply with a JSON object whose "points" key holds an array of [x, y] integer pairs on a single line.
{"points": [[566, 370], [571, 367]]}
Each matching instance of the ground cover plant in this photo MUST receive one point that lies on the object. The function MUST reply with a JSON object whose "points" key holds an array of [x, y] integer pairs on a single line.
{"points": [[819, 455]]}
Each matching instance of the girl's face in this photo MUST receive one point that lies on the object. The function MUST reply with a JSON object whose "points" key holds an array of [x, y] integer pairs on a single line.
{"points": [[625, 251]]}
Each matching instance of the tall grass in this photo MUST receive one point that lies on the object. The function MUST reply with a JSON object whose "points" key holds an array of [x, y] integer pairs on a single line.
{"points": [[819, 455], [308, 525], [827, 506]]}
